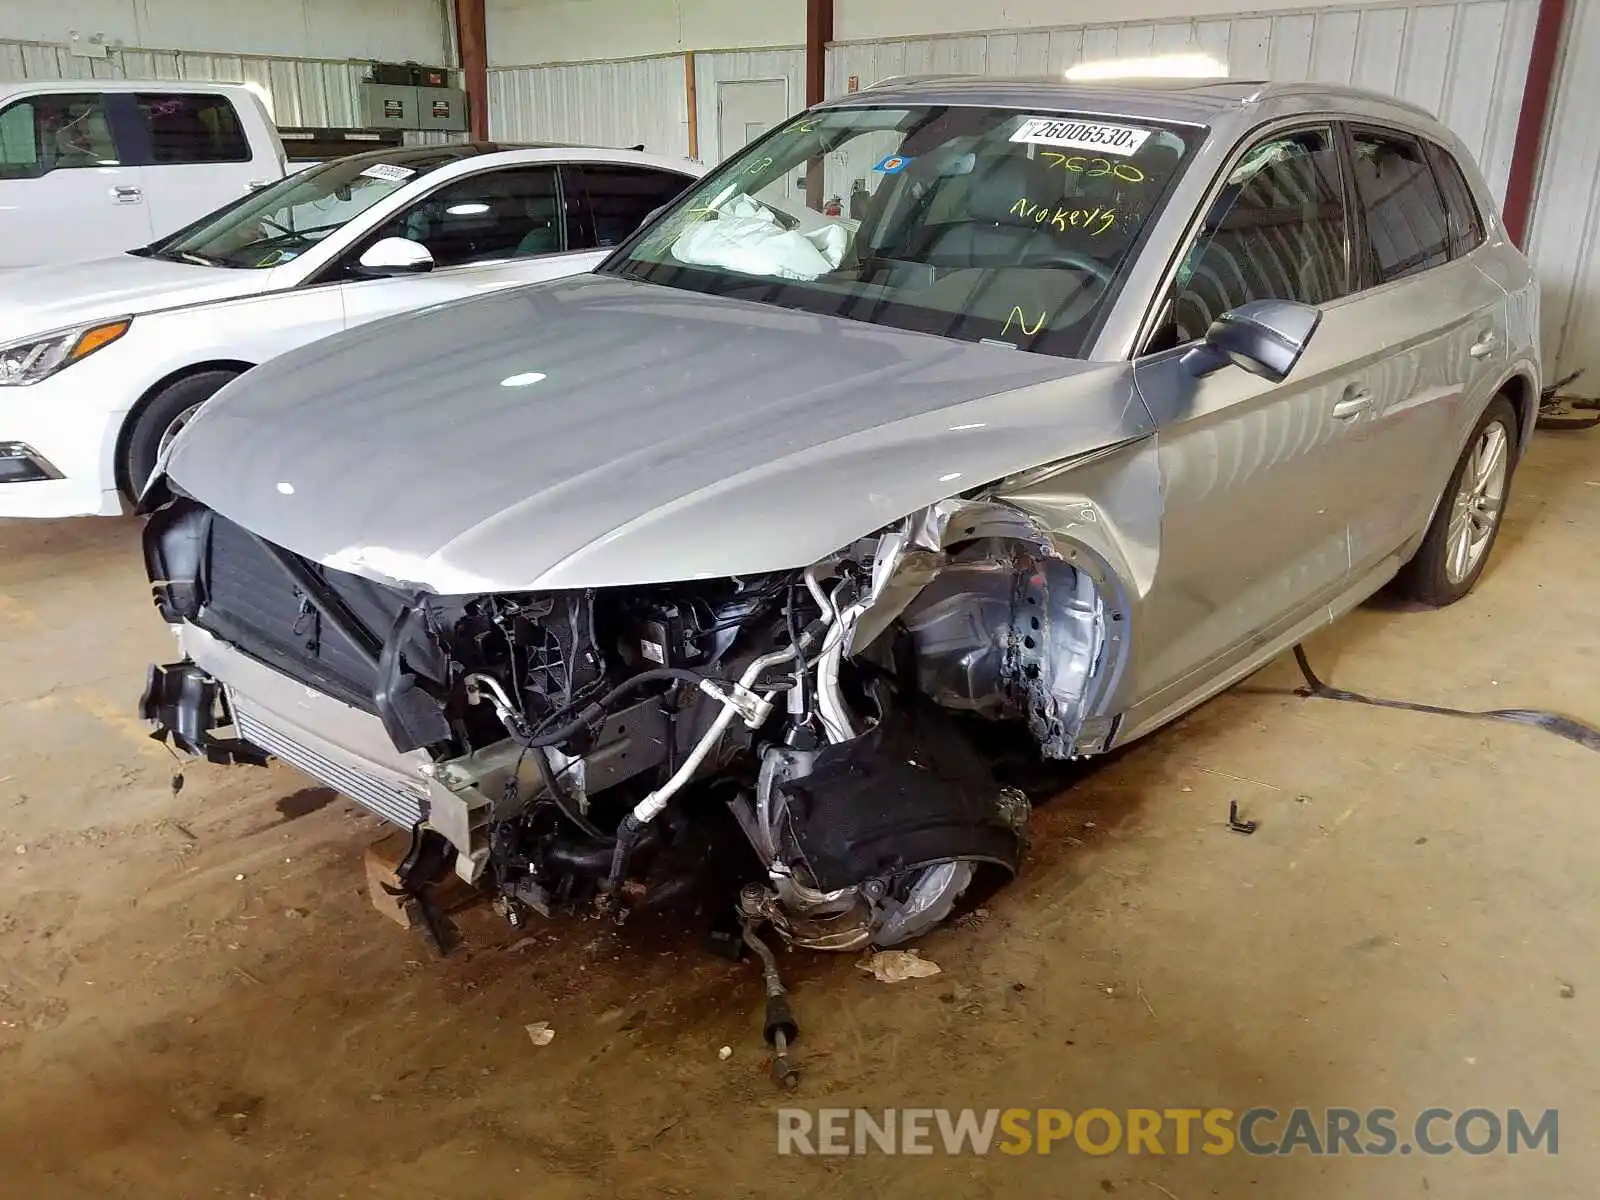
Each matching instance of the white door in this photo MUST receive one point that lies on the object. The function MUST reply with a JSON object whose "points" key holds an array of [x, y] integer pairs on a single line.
{"points": [[64, 193], [746, 109], [199, 156], [494, 229]]}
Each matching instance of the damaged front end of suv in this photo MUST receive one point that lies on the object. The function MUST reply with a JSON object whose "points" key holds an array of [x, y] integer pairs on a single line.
{"points": [[556, 745]]}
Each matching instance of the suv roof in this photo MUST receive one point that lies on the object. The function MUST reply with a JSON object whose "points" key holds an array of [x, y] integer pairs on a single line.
{"points": [[1193, 100]]}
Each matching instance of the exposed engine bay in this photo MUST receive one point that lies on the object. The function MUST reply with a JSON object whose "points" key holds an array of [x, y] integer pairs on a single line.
{"points": [[562, 744]]}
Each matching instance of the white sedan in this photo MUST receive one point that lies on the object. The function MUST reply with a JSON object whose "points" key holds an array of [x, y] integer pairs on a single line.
{"points": [[102, 362]]}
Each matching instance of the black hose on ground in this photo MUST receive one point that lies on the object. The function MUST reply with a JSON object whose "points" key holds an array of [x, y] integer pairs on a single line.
{"points": [[1583, 734]]}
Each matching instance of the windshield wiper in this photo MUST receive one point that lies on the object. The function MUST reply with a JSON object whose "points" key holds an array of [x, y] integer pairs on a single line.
{"points": [[289, 236], [187, 256]]}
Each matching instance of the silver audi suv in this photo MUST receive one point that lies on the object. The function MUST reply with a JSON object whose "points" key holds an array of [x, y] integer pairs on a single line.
{"points": [[950, 403]]}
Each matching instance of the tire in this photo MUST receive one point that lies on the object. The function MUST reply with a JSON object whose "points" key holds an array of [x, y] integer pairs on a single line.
{"points": [[163, 415], [1446, 567]]}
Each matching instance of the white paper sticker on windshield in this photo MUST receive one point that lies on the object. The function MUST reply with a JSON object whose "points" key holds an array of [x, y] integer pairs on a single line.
{"points": [[388, 172], [1081, 135]]}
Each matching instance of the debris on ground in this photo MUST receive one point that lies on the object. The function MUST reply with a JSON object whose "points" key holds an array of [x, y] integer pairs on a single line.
{"points": [[540, 1033], [725, 1053], [895, 966]]}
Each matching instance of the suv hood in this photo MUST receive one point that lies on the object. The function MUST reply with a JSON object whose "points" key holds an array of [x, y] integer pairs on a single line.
{"points": [[41, 299], [596, 432]]}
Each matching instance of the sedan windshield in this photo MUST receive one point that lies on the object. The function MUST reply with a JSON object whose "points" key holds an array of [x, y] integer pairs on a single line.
{"points": [[981, 224], [279, 223]]}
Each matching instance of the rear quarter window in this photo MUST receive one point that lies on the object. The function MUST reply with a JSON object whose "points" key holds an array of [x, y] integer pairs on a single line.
{"points": [[1466, 222]]}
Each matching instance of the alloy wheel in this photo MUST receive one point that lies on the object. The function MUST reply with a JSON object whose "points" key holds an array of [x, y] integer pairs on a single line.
{"points": [[1478, 503]]}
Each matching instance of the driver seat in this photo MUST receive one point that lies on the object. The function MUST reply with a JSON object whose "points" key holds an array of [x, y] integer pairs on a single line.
{"points": [[999, 227]]}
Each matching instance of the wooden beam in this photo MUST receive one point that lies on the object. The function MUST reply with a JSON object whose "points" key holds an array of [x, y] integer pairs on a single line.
{"points": [[819, 32], [692, 94], [473, 40], [1536, 92]]}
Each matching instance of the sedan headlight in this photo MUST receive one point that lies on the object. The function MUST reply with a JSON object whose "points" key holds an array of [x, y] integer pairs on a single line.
{"points": [[37, 358]]}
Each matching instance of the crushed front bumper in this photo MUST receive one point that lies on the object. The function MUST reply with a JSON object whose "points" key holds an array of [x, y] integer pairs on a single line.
{"points": [[271, 714]]}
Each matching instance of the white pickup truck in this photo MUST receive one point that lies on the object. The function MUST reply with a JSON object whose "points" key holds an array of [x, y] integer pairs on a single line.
{"points": [[90, 168]]}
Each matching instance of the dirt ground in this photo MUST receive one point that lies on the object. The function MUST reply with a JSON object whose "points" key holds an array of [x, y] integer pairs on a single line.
{"points": [[196, 999]]}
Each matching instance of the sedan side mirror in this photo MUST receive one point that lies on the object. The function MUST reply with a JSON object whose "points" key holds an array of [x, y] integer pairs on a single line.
{"points": [[395, 256], [1264, 337]]}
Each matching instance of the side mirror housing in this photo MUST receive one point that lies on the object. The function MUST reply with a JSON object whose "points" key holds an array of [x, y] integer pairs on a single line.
{"points": [[1264, 337], [395, 256]]}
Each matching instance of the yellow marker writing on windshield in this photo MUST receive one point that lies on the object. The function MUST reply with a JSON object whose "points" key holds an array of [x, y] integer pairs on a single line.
{"points": [[1094, 167], [1021, 319], [1095, 220]]}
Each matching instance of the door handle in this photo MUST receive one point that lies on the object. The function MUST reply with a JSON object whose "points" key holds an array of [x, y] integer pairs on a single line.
{"points": [[1484, 346], [127, 195], [1355, 402]]}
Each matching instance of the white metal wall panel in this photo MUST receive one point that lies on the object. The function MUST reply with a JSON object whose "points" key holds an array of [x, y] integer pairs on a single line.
{"points": [[629, 103], [729, 66], [1465, 61], [1565, 232], [387, 30], [299, 91]]}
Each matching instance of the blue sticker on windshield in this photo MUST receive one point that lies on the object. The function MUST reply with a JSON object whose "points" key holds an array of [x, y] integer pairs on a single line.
{"points": [[893, 165]]}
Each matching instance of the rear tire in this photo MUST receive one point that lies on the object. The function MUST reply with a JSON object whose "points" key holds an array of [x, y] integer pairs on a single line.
{"points": [[159, 421], [1467, 522]]}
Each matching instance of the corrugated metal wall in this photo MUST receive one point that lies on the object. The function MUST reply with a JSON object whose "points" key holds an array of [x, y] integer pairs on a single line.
{"points": [[627, 103], [1565, 232], [713, 68], [631, 101], [1464, 61], [302, 91]]}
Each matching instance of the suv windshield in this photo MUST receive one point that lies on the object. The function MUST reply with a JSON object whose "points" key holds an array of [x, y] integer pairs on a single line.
{"points": [[973, 223], [279, 223]]}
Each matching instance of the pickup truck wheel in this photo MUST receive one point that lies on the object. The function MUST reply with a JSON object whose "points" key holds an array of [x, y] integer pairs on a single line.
{"points": [[1467, 522], [159, 421]]}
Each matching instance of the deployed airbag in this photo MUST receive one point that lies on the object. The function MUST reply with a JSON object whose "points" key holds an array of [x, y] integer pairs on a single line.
{"points": [[746, 237]]}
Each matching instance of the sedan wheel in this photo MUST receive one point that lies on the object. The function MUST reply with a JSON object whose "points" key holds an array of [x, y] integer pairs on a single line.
{"points": [[1467, 521], [175, 428], [160, 419]]}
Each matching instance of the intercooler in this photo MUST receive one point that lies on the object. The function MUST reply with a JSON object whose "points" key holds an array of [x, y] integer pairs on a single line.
{"points": [[336, 743], [398, 805]]}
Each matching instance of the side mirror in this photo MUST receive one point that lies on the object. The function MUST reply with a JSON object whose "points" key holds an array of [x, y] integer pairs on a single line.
{"points": [[1264, 337], [395, 256]]}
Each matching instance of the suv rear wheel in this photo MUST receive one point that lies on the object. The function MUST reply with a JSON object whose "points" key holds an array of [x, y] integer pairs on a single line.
{"points": [[1467, 523]]}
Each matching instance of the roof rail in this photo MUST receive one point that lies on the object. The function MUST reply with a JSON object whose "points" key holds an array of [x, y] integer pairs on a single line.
{"points": [[902, 80], [1337, 89]]}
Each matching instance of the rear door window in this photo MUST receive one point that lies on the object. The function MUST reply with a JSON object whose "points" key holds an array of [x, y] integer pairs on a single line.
{"points": [[1466, 222], [55, 132], [607, 201], [192, 127], [1408, 230]]}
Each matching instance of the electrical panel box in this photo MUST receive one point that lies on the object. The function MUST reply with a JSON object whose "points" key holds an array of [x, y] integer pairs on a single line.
{"points": [[392, 106], [389, 106], [442, 108]]}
